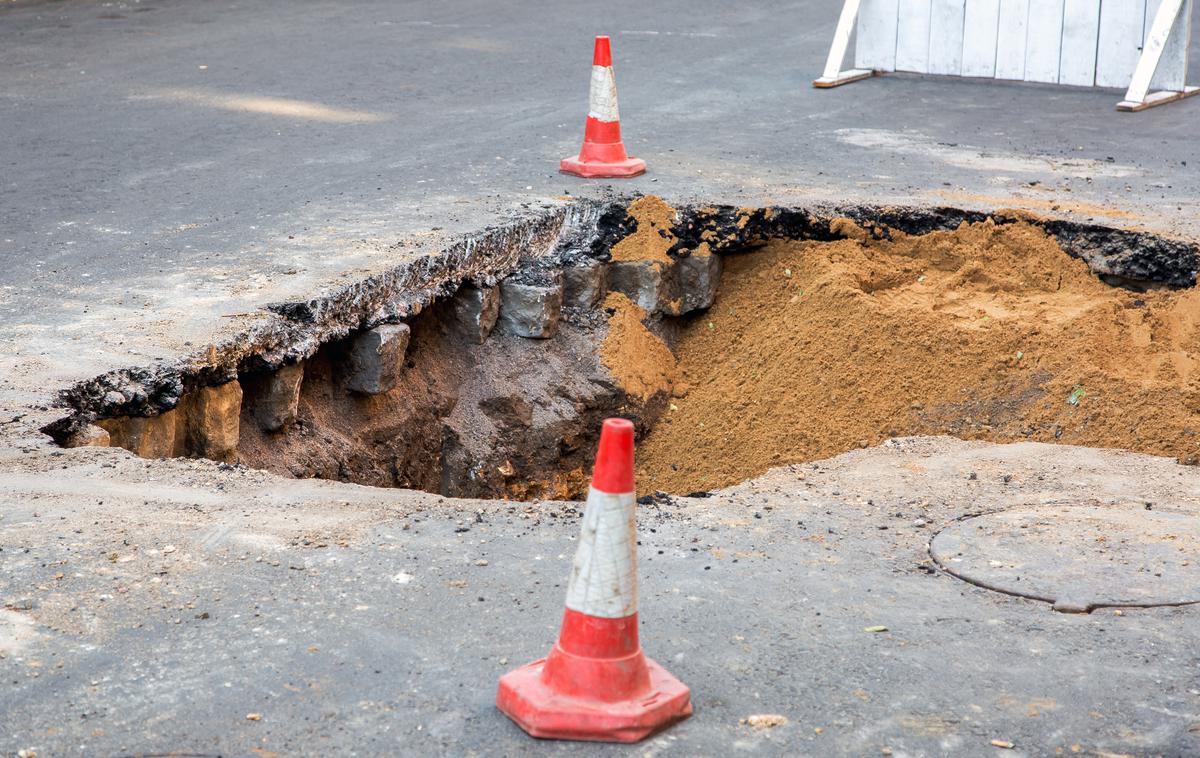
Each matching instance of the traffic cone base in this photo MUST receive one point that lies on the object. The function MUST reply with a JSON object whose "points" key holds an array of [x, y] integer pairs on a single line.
{"points": [[602, 170], [545, 712]]}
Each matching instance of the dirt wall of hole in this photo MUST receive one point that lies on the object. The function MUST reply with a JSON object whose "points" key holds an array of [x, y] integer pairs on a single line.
{"points": [[508, 417]]}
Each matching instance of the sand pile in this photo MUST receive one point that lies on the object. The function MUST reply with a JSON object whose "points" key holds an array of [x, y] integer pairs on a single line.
{"points": [[652, 238], [988, 332], [640, 362]]}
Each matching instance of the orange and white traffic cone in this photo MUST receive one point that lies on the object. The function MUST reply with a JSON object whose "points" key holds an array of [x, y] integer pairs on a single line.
{"points": [[597, 684], [603, 154]]}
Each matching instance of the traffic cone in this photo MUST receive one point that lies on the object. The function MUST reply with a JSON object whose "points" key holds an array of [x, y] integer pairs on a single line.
{"points": [[603, 154], [597, 684]]}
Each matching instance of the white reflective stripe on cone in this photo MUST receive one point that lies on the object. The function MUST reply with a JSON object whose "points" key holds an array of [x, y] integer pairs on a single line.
{"points": [[604, 574], [602, 97]]}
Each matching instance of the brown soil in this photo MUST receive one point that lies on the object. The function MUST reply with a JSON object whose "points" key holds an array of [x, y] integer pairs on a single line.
{"points": [[512, 417], [988, 332], [640, 362], [653, 237]]}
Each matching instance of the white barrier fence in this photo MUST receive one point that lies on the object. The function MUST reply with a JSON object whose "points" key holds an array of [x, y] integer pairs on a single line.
{"points": [[1139, 45]]}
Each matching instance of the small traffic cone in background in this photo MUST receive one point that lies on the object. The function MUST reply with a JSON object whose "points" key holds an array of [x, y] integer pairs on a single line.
{"points": [[603, 154], [597, 684]]}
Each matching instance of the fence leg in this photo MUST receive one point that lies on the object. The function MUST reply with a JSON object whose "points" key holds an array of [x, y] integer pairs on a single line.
{"points": [[834, 76], [1138, 97]]}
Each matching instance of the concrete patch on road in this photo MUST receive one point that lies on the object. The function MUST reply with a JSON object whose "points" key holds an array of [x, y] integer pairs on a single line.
{"points": [[264, 105], [978, 159], [17, 631]]}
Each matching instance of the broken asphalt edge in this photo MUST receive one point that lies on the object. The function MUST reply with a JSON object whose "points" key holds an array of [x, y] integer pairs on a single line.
{"points": [[535, 242]]}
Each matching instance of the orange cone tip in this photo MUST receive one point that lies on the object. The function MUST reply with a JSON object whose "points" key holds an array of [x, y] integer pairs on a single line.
{"points": [[603, 153], [614, 458], [596, 683]]}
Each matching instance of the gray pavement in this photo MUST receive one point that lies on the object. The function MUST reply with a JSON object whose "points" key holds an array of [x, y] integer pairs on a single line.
{"points": [[170, 167], [356, 621]]}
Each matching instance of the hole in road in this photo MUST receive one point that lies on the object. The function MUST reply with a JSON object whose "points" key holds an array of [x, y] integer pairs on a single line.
{"points": [[737, 340]]}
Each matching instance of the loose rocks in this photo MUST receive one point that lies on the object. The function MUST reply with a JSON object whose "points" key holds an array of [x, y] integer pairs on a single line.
{"points": [[277, 399], [696, 278], [147, 436], [584, 286], [531, 310], [211, 422], [476, 310], [89, 436], [673, 288], [645, 282], [376, 359]]}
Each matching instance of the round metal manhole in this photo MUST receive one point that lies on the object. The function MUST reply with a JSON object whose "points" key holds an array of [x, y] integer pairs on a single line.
{"points": [[1078, 557]]}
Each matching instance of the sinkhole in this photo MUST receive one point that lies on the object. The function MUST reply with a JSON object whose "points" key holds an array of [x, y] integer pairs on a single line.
{"points": [[737, 339]]}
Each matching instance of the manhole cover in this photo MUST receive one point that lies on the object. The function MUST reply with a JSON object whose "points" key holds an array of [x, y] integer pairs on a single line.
{"points": [[1078, 557]]}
